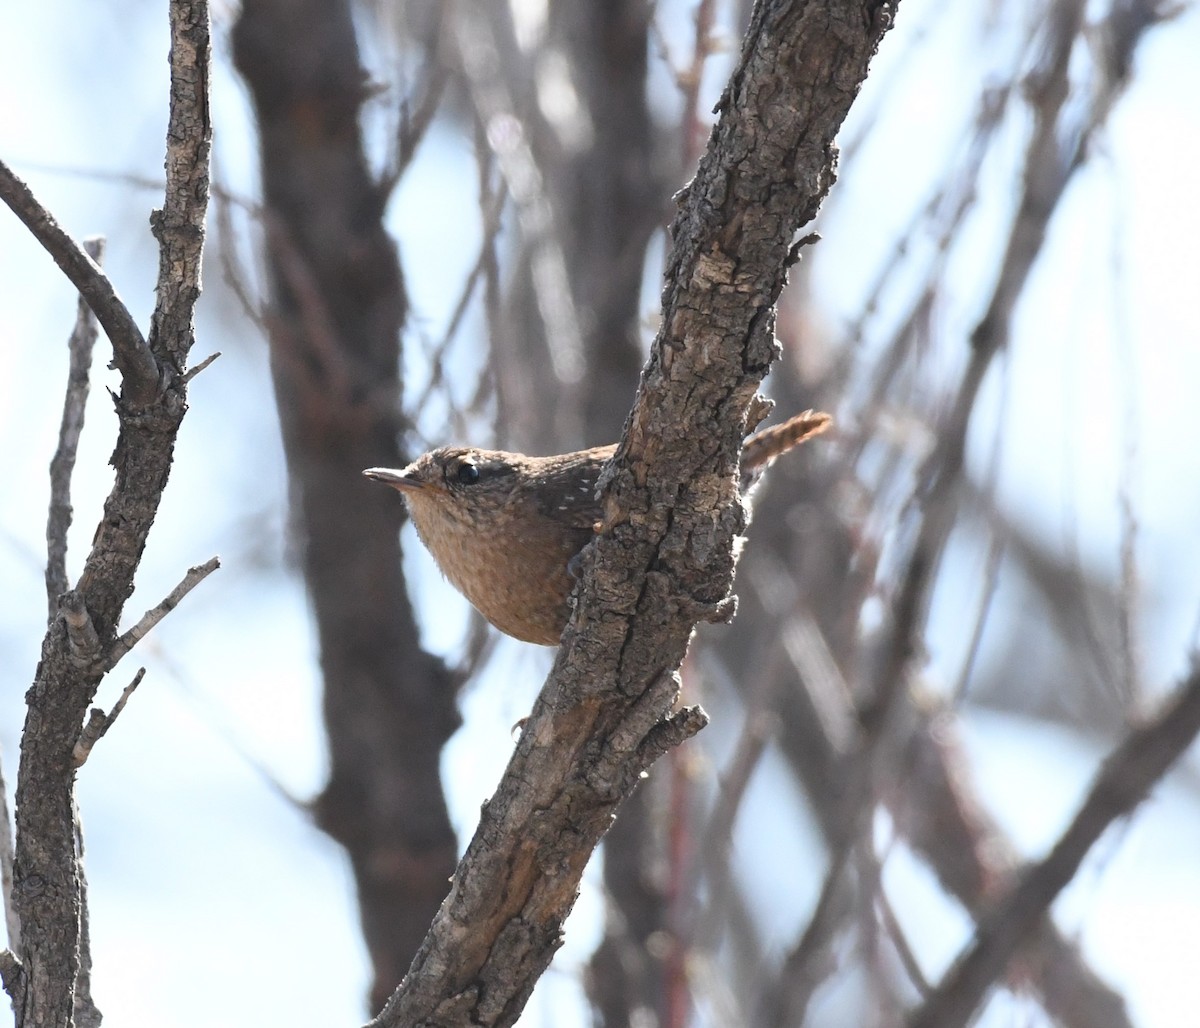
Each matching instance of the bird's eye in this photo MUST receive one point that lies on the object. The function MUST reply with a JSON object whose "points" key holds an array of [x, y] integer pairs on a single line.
{"points": [[467, 474]]}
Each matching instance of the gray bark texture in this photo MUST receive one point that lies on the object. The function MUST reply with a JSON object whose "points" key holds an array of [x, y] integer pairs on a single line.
{"points": [[664, 558], [81, 642]]}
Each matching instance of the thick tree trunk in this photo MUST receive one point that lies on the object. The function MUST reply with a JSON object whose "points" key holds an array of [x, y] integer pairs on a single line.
{"points": [[337, 308]]}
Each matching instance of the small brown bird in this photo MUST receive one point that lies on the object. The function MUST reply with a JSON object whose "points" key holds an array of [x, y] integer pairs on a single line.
{"points": [[505, 528]]}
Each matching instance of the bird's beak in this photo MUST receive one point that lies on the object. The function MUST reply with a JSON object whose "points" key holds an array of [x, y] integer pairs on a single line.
{"points": [[400, 480]]}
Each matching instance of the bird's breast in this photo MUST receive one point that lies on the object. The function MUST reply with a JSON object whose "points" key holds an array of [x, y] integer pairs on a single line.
{"points": [[515, 573]]}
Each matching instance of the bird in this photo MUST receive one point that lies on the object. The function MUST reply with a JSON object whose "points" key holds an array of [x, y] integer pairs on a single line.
{"points": [[506, 529]]}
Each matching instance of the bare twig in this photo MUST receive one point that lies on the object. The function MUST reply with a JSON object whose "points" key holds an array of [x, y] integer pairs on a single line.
{"points": [[908, 959], [760, 727], [139, 369], [414, 122], [1055, 151], [98, 722], [216, 717], [940, 217], [491, 209], [1124, 781], [509, 136], [318, 361], [194, 371], [689, 78], [83, 339], [123, 178], [324, 364], [991, 577], [142, 182], [1128, 594], [810, 961], [154, 615], [863, 919], [489, 383], [234, 272], [84, 1012]]}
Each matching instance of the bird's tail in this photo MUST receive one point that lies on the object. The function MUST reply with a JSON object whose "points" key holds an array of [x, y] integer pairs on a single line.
{"points": [[759, 450]]}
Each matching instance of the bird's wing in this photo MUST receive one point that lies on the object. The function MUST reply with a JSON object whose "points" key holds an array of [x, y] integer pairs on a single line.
{"points": [[568, 492]]}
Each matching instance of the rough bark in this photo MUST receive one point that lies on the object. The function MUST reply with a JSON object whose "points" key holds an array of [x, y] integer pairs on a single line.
{"points": [[78, 649], [664, 559]]}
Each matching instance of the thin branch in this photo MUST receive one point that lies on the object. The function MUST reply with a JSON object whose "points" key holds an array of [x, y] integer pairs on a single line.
{"points": [[1047, 170], [123, 178], [493, 302], [317, 361], [1126, 359], [759, 728], [80, 345], [142, 182], [414, 122], [811, 960], [939, 219], [492, 210], [217, 719], [904, 952], [194, 371], [84, 1012], [991, 578], [937, 813], [234, 272], [139, 369], [863, 920], [689, 78], [98, 722], [1124, 781], [509, 136], [154, 615]]}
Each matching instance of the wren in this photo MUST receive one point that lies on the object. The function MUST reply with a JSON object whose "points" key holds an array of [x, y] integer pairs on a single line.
{"points": [[505, 528]]}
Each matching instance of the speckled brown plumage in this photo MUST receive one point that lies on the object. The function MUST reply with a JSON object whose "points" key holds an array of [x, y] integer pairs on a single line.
{"points": [[504, 527]]}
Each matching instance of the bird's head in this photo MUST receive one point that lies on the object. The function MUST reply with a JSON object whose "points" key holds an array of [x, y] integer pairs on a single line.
{"points": [[465, 485]]}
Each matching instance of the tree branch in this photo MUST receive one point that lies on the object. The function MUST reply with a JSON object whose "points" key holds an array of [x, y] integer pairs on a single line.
{"points": [[48, 888], [154, 615], [139, 370], [83, 339], [1124, 781], [99, 723], [664, 556], [179, 226]]}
